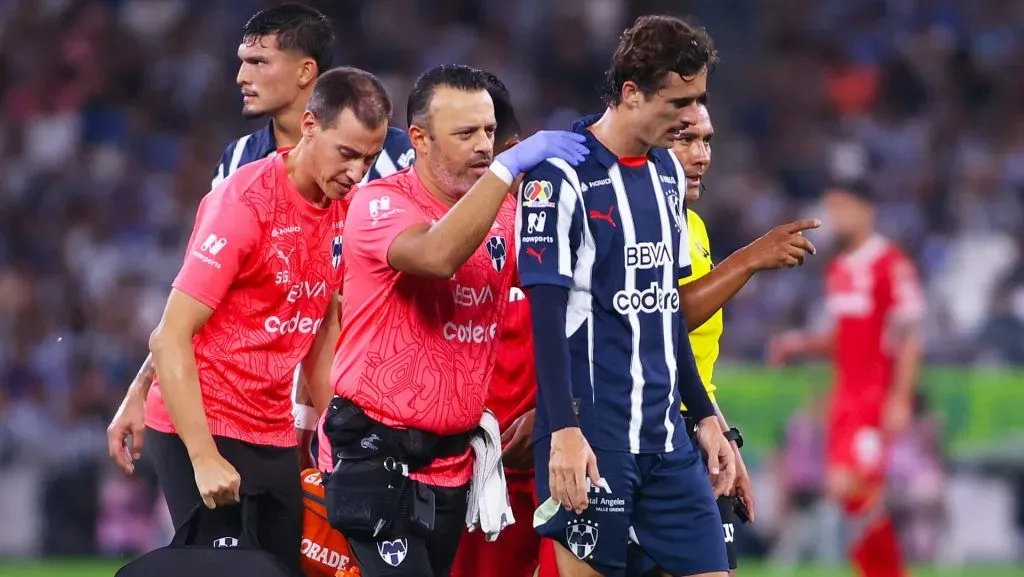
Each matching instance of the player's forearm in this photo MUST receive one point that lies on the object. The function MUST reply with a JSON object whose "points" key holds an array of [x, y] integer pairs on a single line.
{"points": [[144, 379], [907, 366], [317, 388], [724, 424], [818, 344], [806, 344], [175, 362], [304, 438], [305, 415], [721, 416], [548, 304], [316, 367], [702, 298], [302, 396], [449, 243], [691, 387]]}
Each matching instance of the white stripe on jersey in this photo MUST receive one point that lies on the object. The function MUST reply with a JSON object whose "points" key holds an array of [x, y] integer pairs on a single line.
{"points": [[684, 230], [219, 178], [580, 309], [384, 165], [236, 155], [567, 201], [379, 164], [236, 158], [636, 371], [669, 283]]}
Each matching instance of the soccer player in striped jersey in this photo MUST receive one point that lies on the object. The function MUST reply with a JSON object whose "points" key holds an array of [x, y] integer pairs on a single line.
{"points": [[602, 248], [283, 51], [709, 287]]}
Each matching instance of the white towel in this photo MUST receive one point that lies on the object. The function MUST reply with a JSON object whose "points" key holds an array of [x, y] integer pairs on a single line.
{"points": [[489, 509]]}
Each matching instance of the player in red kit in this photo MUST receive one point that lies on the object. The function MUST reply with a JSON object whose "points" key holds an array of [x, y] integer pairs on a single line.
{"points": [[512, 397], [874, 304], [256, 295], [426, 269]]}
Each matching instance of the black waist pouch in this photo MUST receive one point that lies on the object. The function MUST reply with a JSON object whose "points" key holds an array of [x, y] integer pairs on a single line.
{"points": [[369, 495], [366, 499]]}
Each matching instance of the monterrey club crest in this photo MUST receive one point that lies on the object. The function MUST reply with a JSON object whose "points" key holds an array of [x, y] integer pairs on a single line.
{"points": [[225, 542], [675, 207], [336, 251], [498, 251], [581, 537], [393, 552]]}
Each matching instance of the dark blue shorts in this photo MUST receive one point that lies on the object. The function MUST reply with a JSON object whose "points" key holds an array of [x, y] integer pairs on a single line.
{"points": [[661, 503]]}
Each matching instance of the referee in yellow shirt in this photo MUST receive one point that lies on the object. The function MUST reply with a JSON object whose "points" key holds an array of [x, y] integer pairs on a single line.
{"points": [[693, 149], [709, 287]]}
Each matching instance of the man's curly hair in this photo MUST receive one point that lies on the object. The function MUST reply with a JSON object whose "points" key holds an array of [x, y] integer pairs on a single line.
{"points": [[652, 48]]}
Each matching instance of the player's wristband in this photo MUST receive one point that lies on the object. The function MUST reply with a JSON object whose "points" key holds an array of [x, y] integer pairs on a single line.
{"points": [[305, 417], [502, 172]]}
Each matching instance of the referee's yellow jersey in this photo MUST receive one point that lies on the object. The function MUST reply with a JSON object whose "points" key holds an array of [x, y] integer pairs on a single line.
{"points": [[704, 339]]}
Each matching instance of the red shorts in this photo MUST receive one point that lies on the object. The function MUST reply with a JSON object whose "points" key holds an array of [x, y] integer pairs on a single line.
{"points": [[857, 445], [856, 442], [548, 563], [325, 552], [514, 553]]}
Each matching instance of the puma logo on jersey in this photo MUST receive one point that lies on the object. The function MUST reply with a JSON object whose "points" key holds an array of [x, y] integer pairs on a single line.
{"points": [[539, 255], [605, 216]]}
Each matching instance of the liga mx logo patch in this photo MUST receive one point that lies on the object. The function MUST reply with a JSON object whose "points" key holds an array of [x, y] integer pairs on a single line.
{"points": [[393, 552], [336, 252], [581, 537], [498, 252], [537, 194]]}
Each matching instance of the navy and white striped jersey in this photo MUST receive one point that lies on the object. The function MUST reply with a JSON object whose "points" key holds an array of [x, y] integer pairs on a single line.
{"points": [[613, 232], [397, 154], [246, 149]]}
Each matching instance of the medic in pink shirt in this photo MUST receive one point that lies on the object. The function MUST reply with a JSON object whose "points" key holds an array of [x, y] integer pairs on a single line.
{"points": [[428, 267], [257, 295]]}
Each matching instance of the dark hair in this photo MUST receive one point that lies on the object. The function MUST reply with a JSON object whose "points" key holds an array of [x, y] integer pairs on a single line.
{"points": [[504, 114], [653, 47], [350, 88], [457, 76], [857, 188], [298, 28]]}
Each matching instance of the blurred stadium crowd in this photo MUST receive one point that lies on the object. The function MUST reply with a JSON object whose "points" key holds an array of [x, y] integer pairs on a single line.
{"points": [[115, 111]]}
